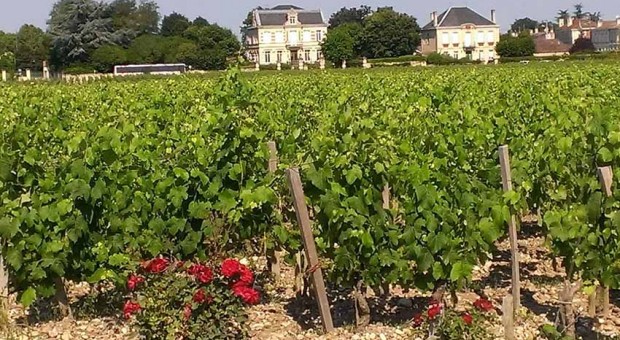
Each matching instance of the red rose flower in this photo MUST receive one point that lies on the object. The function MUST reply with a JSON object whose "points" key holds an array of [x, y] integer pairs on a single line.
{"points": [[130, 308], [483, 304], [230, 268], [134, 281], [202, 273], [247, 294], [187, 311], [200, 296], [433, 311], [418, 319], [245, 275], [467, 318], [157, 265]]}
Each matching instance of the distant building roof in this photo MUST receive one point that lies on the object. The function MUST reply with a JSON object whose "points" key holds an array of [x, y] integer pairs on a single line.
{"points": [[285, 7], [545, 45], [457, 16], [609, 24], [278, 16], [581, 24]]}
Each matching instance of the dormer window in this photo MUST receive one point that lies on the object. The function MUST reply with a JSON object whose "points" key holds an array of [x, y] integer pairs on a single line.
{"points": [[292, 19]]}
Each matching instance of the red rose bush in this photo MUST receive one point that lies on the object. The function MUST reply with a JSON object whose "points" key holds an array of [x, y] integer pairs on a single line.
{"points": [[169, 299], [443, 323]]}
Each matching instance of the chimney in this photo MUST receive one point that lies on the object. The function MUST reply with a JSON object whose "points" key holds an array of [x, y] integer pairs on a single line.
{"points": [[493, 16], [434, 18], [561, 22]]}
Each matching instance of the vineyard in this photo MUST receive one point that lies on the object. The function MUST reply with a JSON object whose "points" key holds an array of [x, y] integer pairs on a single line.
{"points": [[400, 168]]}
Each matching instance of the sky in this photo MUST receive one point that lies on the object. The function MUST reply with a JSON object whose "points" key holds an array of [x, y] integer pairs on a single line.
{"points": [[231, 13]]}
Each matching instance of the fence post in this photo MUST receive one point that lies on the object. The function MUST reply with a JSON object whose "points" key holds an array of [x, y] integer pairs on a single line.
{"points": [[504, 160], [303, 218], [4, 75], [605, 175]]}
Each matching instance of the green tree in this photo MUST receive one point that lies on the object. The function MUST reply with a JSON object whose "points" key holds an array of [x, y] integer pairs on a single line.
{"points": [[134, 19], [7, 42], [594, 16], [106, 57], [563, 14], [388, 33], [338, 45], [148, 49], [582, 45], [214, 43], [7, 51], [578, 12], [189, 54], [7, 61], [349, 15], [524, 24], [33, 47], [200, 21], [79, 27], [174, 25], [520, 46]]}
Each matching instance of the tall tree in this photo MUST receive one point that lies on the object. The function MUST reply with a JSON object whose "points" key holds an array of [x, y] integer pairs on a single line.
{"points": [[134, 19], [79, 27], [594, 16], [214, 44], [563, 14], [174, 25], [524, 24], [347, 15], [200, 21], [106, 57], [153, 49], [32, 46], [339, 45], [388, 33], [7, 42], [520, 46], [579, 14]]}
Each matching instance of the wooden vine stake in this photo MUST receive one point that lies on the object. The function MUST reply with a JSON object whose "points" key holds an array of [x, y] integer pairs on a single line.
{"points": [[4, 297], [274, 256], [508, 318], [504, 160], [605, 175], [303, 219]]}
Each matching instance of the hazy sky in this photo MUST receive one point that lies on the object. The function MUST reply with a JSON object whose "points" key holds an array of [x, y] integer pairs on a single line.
{"points": [[230, 13]]}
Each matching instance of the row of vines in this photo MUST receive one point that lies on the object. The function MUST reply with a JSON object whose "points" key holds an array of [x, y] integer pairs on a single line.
{"points": [[95, 177]]}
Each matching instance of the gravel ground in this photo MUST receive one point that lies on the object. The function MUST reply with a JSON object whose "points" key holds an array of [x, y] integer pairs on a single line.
{"points": [[284, 316]]}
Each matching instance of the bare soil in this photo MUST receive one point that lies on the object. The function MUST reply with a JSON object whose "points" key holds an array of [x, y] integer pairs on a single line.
{"points": [[283, 315]]}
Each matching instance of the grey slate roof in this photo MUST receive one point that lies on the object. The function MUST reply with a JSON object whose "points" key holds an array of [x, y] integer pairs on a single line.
{"points": [[277, 16], [457, 16], [285, 7]]}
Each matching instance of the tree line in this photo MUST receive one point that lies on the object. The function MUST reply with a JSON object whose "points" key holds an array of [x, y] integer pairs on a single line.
{"points": [[89, 34], [361, 32]]}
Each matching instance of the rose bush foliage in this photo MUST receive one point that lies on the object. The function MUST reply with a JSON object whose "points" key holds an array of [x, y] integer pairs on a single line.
{"points": [[442, 323], [183, 300]]}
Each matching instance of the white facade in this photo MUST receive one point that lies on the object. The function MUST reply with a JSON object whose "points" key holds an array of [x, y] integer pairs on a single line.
{"points": [[288, 42]]}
